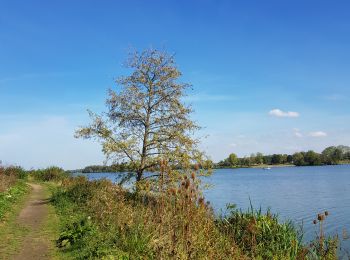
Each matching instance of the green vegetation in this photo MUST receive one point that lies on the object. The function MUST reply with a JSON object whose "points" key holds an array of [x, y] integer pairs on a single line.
{"points": [[101, 220], [12, 187], [261, 236], [52, 173], [330, 156]]}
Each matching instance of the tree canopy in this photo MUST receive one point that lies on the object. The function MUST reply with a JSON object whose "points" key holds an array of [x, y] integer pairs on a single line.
{"points": [[146, 120]]}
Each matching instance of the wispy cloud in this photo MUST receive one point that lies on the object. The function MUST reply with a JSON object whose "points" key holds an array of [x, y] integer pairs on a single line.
{"points": [[335, 97], [297, 133], [207, 97], [318, 134], [279, 113]]}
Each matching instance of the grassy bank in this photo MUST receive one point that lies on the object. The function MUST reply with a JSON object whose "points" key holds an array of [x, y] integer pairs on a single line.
{"points": [[101, 220], [13, 187]]}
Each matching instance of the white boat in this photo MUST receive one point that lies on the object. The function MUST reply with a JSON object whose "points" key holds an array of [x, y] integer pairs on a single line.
{"points": [[267, 168]]}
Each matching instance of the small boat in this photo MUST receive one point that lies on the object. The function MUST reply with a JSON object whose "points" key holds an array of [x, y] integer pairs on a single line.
{"points": [[267, 168]]}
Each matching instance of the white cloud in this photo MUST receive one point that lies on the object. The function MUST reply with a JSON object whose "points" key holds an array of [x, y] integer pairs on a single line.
{"points": [[233, 145], [279, 113], [317, 134]]}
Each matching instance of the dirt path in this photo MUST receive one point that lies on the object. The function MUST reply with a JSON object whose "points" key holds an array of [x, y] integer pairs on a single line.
{"points": [[33, 216]]}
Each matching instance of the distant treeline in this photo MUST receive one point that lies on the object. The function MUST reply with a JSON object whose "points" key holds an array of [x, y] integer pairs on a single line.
{"points": [[117, 167], [330, 156]]}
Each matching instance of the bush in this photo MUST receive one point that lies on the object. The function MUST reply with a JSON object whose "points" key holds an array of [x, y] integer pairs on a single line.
{"points": [[9, 176], [52, 173]]}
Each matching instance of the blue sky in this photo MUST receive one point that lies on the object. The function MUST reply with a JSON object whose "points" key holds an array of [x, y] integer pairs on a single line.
{"points": [[268, 76]]}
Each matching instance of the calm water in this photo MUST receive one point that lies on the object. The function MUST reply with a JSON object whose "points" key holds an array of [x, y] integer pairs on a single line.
{"points": [[296, 193]]}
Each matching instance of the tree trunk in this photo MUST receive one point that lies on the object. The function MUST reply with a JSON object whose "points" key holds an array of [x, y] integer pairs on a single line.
{"points": [[139, 174]]}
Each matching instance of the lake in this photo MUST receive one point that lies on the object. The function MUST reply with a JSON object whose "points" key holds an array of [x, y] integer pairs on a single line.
{"points": [[295, 193]]}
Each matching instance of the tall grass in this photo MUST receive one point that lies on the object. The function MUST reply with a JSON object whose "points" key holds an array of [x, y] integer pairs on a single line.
{"points": [[12, 187], [170, 219], [174, 223], [261, 235]]}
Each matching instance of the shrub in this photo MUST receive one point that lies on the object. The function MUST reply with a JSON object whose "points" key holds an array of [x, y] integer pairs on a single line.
{"points": [[9, 176], [52, 173]]}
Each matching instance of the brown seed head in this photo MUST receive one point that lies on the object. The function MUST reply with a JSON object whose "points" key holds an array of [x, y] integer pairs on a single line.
{"points": [[326, 213], [201, 201], [187, 183], [173, 191], [193, 175], [315, 222]]}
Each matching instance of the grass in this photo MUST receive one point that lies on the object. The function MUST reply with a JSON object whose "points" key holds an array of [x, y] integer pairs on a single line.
{"points": [[12, 196], [10, 231], [261, 235]]}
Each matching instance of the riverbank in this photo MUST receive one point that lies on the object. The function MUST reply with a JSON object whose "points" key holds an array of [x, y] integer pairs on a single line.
{"points": [[80, 219], [106, 220]]}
